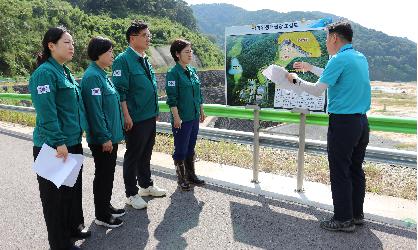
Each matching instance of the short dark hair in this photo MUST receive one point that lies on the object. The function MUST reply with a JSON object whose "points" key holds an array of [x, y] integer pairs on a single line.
{"points": [[135, 28], [342, 29], [177, 46], [98, 45]]}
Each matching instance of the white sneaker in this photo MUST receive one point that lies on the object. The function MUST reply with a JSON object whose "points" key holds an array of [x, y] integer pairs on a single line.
{"points": [[152, 191], [136, 202]]}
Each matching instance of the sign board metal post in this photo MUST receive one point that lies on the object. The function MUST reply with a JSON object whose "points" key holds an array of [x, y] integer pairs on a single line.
{"points": [[301, 151], [256, 141]]}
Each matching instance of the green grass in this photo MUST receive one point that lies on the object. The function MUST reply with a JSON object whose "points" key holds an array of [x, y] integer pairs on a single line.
{"points": [[18, 117]]}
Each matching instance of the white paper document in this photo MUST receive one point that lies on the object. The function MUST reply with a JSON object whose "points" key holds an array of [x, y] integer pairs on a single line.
{"points": [[278, 75], [288, 95], [48, 166]]}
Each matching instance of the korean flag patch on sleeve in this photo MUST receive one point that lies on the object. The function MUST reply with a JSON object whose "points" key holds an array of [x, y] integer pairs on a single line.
{"points": [[96, 91], [43, 89], [117, 72], [171, 83]]}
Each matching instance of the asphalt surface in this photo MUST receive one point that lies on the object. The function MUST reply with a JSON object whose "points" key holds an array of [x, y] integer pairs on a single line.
{"points": [[209, 217]]}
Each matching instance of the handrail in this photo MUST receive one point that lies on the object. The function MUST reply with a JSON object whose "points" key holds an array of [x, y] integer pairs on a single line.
{"points": [[377, 123], [391, 156], [14, 96]]}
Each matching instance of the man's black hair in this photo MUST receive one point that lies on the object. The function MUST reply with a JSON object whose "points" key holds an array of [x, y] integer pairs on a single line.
{"points": [[135, 28], [342, 29]]}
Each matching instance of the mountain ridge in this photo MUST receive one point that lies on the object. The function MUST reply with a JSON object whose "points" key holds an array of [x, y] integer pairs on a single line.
{"points": [[390, 58]]}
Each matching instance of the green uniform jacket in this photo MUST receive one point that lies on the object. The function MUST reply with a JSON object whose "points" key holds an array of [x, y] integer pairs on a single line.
{"points": [[59, 107], [134, 85], [103, 110], [184, 92]]}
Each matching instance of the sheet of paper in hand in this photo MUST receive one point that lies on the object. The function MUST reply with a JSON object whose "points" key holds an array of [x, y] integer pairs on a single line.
{"points": [[58, 171], [278, 75]]}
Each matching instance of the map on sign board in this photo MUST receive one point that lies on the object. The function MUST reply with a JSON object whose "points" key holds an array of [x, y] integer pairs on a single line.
{"points": [[251, 49]]}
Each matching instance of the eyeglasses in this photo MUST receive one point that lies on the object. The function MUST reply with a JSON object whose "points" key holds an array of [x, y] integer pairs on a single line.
{"points": [[144, 35]]}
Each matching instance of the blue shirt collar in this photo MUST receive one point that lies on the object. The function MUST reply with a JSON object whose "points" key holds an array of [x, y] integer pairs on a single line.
{"points": [[345, 47]]}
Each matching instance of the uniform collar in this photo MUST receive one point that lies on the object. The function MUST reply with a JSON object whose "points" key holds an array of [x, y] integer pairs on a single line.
{"points": [[180, 68], [94, 65], [137, 53], [55, 63], [345, 47], [64, 70]]}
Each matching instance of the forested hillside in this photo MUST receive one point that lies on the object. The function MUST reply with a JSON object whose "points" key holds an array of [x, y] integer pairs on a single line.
{"points": [[390, 58], [175, 10], [24, 22]]}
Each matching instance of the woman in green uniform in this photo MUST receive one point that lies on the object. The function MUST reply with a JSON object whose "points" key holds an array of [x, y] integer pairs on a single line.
{"points": [[104, 117], [59, 124], [184, 97]]}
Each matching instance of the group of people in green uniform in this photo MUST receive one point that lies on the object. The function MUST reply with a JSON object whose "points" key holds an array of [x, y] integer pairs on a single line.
{"points": [[110, 110], [125, 107]]}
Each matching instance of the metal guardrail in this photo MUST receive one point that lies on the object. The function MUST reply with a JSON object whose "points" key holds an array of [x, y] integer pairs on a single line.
{"points": [[17, 108], [383, 155], [377, 123]]}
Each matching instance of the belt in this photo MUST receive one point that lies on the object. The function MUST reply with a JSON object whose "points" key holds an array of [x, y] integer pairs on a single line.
{"points": [[355, 114]]}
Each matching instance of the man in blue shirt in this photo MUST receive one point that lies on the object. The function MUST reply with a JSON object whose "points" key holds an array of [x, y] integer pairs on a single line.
{"points": [[346, 76]]}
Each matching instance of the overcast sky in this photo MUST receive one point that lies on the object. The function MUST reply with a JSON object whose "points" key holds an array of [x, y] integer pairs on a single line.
{"points": [[391, 17]]}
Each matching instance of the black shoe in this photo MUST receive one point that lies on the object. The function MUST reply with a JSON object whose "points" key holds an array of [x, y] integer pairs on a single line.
{"points": [[190, 170], [335, 225], [81, 234], [116, 212], [112, 222], [358, 220], [74, 247]]}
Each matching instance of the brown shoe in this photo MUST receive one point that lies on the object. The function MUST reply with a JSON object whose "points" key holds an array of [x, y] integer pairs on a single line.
{"points": [[182, 175]]}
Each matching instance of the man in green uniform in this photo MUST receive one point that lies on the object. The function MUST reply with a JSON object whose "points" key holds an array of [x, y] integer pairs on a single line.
{"points": [[135, 80]]}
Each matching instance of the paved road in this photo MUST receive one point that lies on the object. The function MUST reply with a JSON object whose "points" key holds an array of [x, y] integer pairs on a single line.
{"points": [[210, 217]]}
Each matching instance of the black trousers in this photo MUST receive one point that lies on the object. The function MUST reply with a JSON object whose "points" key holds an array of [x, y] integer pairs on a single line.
{"points": [[62, 207], [348, 137], [140, 141], [104, 163]]}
